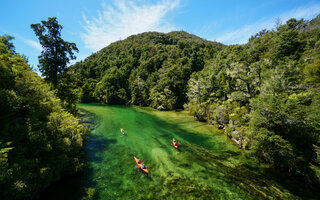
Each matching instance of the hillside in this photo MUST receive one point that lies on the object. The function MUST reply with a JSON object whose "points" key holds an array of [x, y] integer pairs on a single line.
{"points": [[145, 69]]}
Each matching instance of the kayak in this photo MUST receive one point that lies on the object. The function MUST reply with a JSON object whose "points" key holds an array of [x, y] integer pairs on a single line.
{"points": [[139, 163], [175, 143]]}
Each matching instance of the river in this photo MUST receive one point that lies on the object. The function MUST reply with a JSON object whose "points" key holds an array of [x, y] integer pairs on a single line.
{"points": [[206, 166]]}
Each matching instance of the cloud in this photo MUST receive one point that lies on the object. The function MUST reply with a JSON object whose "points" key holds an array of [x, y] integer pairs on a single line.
{"points": [[33, 44], [122, 19], [241, 36]]}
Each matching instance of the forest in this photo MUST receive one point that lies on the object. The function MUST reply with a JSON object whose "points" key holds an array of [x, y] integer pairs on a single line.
{"points": [[41, 137], [264, 95]]}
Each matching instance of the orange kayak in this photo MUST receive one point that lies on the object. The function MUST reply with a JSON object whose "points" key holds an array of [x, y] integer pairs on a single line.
{"points": [[140, 165], [175, 143]]}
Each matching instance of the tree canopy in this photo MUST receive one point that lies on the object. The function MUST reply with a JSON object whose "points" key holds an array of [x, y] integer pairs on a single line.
{"points": [[145, 69], [56, 52], [39, 140]]}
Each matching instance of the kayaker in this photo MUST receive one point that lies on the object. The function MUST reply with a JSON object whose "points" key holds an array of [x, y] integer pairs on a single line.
{"points": [[175, 143], [141, 165]]}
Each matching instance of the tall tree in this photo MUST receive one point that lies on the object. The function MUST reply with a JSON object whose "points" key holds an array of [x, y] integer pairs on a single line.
{"points": [[6, 44], [56, 52]]}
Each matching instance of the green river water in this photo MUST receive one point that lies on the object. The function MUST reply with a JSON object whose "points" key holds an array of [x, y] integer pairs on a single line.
{"points": [[206, 166]]}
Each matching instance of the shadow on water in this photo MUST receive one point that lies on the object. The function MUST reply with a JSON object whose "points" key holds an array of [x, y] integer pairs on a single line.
{"points": [[94, 149], [67, 188], [96, 145], [88, 119], [76, 186]]}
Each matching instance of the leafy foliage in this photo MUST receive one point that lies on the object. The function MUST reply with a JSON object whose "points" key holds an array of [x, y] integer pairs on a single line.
{"points": [[150, 69], [265, 93], [54, 56], [53, 61], [39, 140]]}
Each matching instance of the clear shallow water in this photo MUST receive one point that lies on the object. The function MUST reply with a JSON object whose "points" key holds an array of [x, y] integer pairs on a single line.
{"points": [[207, 166]]}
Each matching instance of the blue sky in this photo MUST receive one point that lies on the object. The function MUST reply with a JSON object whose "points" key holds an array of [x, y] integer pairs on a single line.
{"points": [[93, 24]]}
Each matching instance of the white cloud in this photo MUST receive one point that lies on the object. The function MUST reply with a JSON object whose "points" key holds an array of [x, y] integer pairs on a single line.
{"points": [[241, 36], [122, 19], [33, 44]]}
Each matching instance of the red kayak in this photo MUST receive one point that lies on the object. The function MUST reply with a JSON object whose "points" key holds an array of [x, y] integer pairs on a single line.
{"points": [[141, 165], [175, 143]]}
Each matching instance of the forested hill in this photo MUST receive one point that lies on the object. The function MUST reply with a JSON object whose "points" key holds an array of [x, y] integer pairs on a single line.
{"points": [[265, 93], [149, 69]]}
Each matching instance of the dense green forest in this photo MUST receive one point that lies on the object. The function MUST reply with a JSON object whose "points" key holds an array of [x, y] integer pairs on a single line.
{"points": [[263, 94], [149, 69], [39, 140]]}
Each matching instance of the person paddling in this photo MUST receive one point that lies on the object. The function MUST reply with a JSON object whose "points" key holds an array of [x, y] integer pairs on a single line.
{"points": [[141, 165], [175, 143]]}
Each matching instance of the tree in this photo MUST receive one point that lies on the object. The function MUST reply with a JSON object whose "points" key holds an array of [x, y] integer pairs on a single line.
{"points": [[277, 23], [271, 148], [6, 44], [112, 88], [246, 78], [138, 91], [200, 85], [36, 133], [56, 52]]}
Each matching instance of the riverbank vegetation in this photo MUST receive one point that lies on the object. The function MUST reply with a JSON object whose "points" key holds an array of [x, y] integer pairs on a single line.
{"points": [[263, 94], [40, 141]]}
